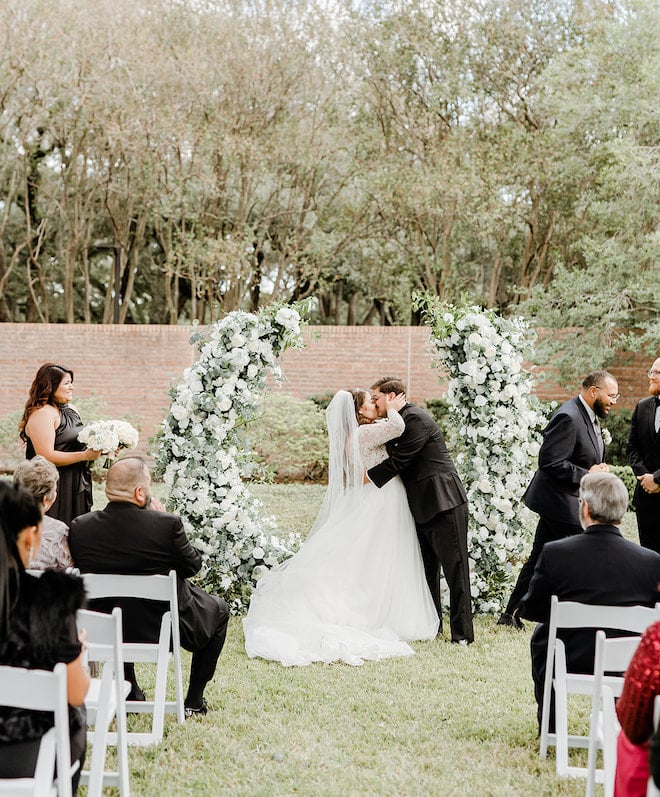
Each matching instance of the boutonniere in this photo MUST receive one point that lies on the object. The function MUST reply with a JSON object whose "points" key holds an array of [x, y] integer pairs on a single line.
{"points": [[607, 437]]}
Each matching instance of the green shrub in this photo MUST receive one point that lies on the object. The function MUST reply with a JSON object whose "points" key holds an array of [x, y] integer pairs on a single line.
{"points": [[321, 400], [625, 473], [289, 439], [618, 425], [12, 448], [438, 408]]}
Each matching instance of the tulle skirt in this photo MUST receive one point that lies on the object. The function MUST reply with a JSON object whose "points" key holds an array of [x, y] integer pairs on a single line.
{"points": [[356, 590]]}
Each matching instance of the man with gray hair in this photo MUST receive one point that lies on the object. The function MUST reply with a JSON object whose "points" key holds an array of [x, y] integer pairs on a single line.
{"points": [[598, 567]]}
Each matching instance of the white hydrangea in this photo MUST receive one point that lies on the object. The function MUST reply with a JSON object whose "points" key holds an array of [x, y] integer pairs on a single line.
{"points": [[495, 433]]}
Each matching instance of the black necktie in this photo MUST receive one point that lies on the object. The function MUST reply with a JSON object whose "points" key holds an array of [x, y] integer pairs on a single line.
{"points": [[599, 438]]}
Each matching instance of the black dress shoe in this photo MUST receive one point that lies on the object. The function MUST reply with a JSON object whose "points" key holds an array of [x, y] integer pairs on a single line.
{"points": [[192, 711], [136, 694], [512, 621]]}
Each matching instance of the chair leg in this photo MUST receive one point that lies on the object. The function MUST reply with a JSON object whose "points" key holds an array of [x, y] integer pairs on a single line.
{"points": [[561, 732], [99, 737]]}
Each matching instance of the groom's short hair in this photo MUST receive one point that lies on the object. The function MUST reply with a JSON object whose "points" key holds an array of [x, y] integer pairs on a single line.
{"points": [[389, 384]]}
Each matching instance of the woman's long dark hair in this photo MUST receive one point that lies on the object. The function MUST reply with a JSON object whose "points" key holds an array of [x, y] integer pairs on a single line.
{"points": [[19, 509], [42, 390]]}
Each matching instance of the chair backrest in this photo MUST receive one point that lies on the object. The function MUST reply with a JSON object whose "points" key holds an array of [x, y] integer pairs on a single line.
{"points": [[571, 614], [156, 588], [103, 636], [42, 690], [153, 588], [112, 585]]}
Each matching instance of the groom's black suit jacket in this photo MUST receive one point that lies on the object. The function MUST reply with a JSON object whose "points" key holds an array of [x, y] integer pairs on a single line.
{"points": [[421, 458], [126, 539], [569, 449]]}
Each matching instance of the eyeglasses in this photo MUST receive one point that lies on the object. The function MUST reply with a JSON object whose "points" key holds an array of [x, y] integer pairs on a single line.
{"points": [[653, 373], [610, 396]]}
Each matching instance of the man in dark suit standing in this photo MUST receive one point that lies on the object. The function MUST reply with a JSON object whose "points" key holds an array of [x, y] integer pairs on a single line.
{"points": [[128, 538], [644, 458], [598, 566], [437, 501], [572, 447]]}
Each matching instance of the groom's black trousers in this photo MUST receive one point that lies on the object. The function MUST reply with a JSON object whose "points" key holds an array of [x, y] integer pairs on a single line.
{"points": [[443, 542]]}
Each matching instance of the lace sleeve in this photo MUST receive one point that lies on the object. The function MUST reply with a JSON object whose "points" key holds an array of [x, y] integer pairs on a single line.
{"points": [[373, 437]]}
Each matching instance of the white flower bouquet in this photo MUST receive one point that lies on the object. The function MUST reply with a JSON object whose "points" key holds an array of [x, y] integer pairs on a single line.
{"points": [[109, 437]]}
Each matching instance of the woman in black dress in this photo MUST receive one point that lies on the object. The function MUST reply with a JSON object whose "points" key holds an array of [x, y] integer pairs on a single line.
{"points": [[37, 630], [50, 427]]}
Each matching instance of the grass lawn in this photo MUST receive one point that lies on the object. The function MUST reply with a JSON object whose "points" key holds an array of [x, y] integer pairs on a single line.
{"points": [[447, 721]]}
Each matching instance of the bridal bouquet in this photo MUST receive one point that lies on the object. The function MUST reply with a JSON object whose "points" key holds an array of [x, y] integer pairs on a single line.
{"points": [[109, 437]]}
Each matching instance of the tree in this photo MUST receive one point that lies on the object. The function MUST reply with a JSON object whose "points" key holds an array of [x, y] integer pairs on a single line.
{"points": [[597, 97]]}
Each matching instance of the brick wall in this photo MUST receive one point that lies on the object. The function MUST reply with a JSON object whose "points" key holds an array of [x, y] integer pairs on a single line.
{"points": [[130, 368]]}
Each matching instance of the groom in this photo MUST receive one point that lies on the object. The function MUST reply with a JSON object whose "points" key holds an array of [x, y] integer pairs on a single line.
{"points": [[437, 501]]}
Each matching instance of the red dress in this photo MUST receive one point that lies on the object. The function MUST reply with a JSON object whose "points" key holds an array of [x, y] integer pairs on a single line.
{"points": [[635, 711]]}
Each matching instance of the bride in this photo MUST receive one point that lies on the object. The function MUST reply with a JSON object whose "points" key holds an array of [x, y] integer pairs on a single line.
{"points": [[356, 589]]}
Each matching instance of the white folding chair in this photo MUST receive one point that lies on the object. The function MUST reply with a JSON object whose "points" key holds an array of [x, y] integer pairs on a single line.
{"points": [[105, 702], [155, 588], [612, 658], [569, 614], [41, 690], [652, 790]]}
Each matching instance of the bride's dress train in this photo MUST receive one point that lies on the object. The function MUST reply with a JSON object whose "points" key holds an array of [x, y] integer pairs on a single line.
{"points": [[356, 590]]}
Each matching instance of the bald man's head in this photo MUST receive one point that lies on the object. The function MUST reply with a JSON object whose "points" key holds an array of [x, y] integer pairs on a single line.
{"points": [[129, 480]]}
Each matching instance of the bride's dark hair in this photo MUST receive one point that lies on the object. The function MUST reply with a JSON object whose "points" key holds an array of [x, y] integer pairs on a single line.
{"points": [[359, 398]]}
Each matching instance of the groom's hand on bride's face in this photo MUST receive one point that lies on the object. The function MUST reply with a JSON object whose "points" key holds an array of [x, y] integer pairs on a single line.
{"points": [[397, 402]]}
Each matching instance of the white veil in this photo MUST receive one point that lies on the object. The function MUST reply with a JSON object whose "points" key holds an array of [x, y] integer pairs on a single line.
{"points": [[345, 468]]}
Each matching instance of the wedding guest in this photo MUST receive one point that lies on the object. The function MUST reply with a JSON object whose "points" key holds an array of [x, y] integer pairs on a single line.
{"points": [[635, 711], [38, 630], [134, 536], [40, 476], [50, 427], [644, 457], [599, 566], [573, 446]]}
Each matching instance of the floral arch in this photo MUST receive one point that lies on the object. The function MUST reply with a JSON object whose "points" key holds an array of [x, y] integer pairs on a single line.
{"points": [[495, 428], [202, 456]]}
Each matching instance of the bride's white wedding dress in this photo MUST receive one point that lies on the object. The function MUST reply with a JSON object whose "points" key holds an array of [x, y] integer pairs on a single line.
{"points": [[356, 589]]}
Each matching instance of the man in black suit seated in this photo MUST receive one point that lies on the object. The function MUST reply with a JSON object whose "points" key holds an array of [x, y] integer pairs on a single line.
{"points": [[134, 536], [598, 567], [572, 446], [644, 458]]}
